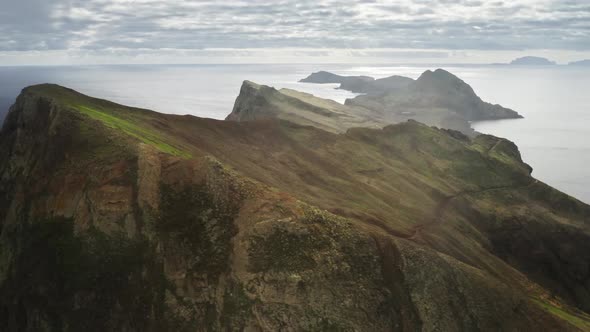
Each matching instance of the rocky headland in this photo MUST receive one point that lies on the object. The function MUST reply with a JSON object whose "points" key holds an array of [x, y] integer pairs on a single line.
{"points": [[118, 218]]}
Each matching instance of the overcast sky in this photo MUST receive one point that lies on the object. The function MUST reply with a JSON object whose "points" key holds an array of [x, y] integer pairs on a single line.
{"points": [[183, 30]]}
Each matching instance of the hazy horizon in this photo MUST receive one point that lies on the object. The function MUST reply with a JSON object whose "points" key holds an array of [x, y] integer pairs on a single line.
{"points": [[179, 31], [551, 139]]}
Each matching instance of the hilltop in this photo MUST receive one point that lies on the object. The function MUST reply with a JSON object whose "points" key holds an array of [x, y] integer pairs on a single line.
{"points": [[117, 218], [437, 90]]}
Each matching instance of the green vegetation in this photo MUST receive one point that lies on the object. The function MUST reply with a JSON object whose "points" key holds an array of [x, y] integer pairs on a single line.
{"points": [[236, 307], [580, 320], [87, 282], [283, 250], [195, 227], [143, 134]]}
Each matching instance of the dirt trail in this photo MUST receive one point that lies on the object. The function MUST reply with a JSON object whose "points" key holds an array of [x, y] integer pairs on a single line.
{"points": [[439, 211], [442, 206], [494, 146]]}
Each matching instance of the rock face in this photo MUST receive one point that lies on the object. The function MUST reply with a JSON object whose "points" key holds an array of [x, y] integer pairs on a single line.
{"points": [[443, 89], [257, 102], [263, 102], [4, 106], [532, 61], [115, 218]]}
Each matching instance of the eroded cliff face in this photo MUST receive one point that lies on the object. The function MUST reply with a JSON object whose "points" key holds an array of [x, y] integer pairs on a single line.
{"points": [[117, 219], [256, 102], [134, 239]]}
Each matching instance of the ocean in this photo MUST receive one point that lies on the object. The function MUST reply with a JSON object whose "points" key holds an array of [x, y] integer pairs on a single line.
{"points": [[554, 136]]}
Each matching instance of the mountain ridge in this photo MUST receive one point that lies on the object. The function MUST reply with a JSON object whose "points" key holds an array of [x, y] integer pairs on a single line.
{"points": [[437, 98], [266, 223], [359, 84]]}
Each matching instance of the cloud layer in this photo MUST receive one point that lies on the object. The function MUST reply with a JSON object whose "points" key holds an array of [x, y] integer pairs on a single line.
{"points": [[97, 25]]}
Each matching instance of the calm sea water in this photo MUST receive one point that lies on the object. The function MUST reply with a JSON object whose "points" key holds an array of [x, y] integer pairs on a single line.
{"points": [[554, 136]]}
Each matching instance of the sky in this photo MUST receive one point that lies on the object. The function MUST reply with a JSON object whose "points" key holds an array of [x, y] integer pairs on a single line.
{"points": [[185, 31]]}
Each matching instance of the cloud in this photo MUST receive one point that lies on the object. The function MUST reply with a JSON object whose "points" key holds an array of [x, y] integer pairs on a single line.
{"points": [[52, 25]]}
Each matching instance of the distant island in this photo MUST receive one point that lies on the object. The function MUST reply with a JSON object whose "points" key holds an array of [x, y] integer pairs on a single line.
{"points": [[359, 84], [437, 98], [580, 63], [532, 61]]}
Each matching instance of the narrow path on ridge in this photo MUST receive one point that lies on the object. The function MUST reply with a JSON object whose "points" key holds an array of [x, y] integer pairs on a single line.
{"points": [[442, 206], [493, 147]]}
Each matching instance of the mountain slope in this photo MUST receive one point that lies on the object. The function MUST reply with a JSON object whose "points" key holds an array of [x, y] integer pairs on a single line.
{"points": [[4, 106], [436, 93], [114, 218], [436, 98], [263, 102], [351, 83], [360, 84]]}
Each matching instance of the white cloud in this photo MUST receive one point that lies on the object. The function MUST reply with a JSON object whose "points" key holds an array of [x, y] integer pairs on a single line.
{"points": [[276, 55], [93, 26]]}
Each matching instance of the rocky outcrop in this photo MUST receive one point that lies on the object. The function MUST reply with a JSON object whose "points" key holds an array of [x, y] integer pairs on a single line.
{"points": [[378, 86], [257, 102], [443, 89], [360, 84], [4, 106], [437, 98], [114, 218], [436, 94]]}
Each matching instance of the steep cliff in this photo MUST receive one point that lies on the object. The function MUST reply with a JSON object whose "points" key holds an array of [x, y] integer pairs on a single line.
{"points": [[262, 102], [436, 93], [257, 102], [115, 218], [4, 106]]}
